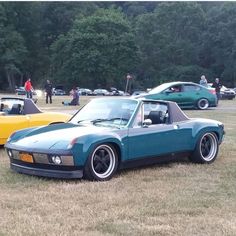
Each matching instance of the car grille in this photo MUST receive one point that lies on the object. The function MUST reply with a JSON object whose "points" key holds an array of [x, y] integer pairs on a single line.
{"points": [[45, 158]]}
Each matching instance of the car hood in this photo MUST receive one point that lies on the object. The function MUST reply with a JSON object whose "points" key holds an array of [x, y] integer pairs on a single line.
{"points": [[57, 136]]}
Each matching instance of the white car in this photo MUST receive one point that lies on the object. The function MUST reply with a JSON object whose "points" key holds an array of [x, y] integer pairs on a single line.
{"points": [[101, 92], [58, 92], [225, 93], [85, 91]]}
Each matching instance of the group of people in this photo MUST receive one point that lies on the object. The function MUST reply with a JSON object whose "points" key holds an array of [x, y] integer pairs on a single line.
{"points": [[49, 91], [216, 84]]}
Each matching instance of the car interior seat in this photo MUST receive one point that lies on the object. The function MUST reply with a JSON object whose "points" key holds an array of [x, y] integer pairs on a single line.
{"points": [[15, 110], [155, 117]]}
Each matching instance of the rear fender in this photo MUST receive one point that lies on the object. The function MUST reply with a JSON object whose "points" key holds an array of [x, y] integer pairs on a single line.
{"points": [[197, 134]]}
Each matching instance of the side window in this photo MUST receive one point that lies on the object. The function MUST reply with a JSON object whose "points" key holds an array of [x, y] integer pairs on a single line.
{"points": [[174, 89], [191, 88], [156, 112]]}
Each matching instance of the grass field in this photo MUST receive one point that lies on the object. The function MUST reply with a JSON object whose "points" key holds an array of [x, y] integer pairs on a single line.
{"points": [[178, 198]]}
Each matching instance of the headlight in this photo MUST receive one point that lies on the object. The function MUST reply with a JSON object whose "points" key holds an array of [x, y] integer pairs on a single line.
{"points": [[9, 152], [56, 160]]}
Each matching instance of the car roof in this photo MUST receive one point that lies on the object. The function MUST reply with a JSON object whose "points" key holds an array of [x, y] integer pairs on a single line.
{"points": [[164, 86]]}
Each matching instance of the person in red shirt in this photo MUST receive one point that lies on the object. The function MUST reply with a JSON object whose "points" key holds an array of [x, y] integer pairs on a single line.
{"points": [[28, 88]]}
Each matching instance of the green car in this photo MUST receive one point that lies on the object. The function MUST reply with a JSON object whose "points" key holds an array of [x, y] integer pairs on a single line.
{"points": [[185, 94], [108, 134]]}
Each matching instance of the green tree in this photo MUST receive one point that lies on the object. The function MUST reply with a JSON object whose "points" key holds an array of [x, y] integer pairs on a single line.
{"points": [[170, 38], [98, 51], [12, 51], [221, 35]]}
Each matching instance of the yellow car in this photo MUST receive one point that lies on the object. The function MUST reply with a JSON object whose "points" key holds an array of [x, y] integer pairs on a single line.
{"points": [[20, 113]]}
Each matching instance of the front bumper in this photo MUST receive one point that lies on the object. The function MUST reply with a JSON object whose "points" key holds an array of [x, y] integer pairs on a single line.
{"points": [[64, 174], [41, 164]]}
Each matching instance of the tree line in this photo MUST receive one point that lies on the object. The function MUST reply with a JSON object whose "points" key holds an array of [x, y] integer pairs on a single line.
{"points": [[95, 44]]}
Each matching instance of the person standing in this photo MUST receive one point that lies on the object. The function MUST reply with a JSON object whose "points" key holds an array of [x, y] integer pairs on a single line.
{"points": [[203, 81], [28, 88], [48, 90], [217, 85]]}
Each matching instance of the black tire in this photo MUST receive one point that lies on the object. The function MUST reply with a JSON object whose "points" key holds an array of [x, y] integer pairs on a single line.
{"points": [[102, 163], [202, 104], [206, 149]]}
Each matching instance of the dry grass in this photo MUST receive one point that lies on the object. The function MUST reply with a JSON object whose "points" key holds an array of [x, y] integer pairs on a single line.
{"points": [[178, 198]]}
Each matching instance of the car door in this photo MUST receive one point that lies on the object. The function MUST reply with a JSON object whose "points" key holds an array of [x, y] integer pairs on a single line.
{"points": [[157, 139], [191, 93], [175, 93]]}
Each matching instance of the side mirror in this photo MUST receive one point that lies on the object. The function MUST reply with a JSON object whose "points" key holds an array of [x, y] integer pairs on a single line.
{"points": [[147, 122]]}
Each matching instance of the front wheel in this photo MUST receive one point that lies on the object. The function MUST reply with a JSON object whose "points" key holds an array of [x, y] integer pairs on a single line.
{"points": [[202, 104], [102, 163], [206, 149]]}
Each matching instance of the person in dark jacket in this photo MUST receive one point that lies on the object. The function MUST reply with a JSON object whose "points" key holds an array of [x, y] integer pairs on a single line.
{"points": [[217, 85], [48, 90]]}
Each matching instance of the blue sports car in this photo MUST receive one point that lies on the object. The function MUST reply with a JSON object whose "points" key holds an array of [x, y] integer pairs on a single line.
{"points": [[108, 134]]}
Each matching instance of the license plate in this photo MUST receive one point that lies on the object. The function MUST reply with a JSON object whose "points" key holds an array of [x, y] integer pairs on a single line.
{"points": [[26, 157]]}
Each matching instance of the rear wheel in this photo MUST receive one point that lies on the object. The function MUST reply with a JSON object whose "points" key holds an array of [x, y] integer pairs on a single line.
{"points": [[202, 104], [206, 149], [102, 163]]}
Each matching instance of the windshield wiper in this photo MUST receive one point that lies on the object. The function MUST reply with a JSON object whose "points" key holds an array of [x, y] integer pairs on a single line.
{"points": [[80, 121], [112, 119], [99, 120]]}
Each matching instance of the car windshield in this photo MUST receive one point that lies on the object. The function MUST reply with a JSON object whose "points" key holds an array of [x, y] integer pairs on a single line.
{"points": [[106, 112], [159, 88]]}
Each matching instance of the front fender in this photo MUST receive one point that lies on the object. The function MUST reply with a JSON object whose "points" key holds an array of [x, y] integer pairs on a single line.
{"points": [[85, 145]]}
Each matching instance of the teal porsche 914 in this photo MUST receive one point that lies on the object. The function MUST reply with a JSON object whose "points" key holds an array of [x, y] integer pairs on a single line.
{"points": [[109, 134]]}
